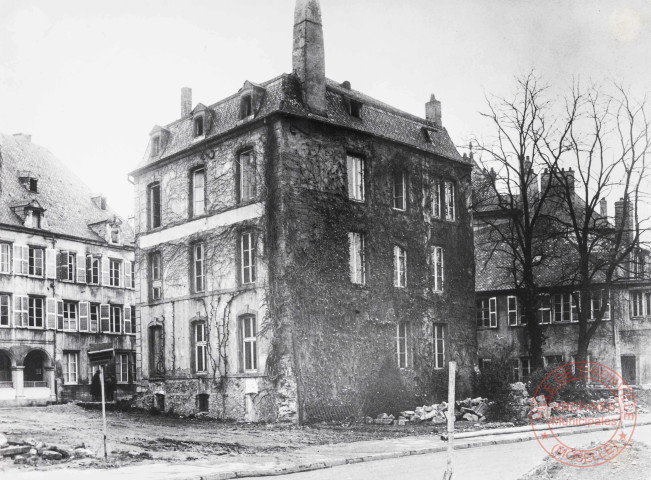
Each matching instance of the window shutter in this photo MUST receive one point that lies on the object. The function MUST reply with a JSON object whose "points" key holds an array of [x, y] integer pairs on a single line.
{"points": [[50, 263], [59, 314], [127, 274], [60, 262], [106, 265], [83, 316], [18, 310], [121, 274], [81, 269], [127, 319], [51, 313], [104, 317], [492, 306], [18, 260]]}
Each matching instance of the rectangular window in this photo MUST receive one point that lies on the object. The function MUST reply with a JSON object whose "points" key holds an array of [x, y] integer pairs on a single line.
{"points": [[513, 310], [132, 268], [70, 316], [5, 258], [5, 311], [115, 270], [94, 317], [155, 145], [544, 310], [637, 304], [154, 205], [70, 367], [439, 346], [450, 203], [93, 268], [357, 257], [399, 267], [486, 310], [402, 344], [198, 192], [155, 275], [198, 267], [68, 266], [595, 305], [247, 246], [36, 256], [400, 191], [525, 367], [553, 360], [436, 198], [437, 268], [200, 345], [35, 312], [122, 367], [246, 107], [250, 343], [198, 126], [247, 176], [115, 319], [562, 307], [355, 172]]}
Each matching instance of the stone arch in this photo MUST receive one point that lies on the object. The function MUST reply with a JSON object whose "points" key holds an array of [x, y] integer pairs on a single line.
{"points": [[36, 362], [6, 364]]}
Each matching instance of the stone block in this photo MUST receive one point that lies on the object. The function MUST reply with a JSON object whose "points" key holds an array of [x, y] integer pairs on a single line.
{"points": [[51, 455], [14, 450]]}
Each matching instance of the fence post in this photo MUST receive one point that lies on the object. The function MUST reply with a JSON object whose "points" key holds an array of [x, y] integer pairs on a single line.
{"points": [[452, 375]]}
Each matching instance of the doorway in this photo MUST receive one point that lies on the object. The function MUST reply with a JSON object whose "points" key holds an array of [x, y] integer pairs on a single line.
{"points": [[628, 369]]}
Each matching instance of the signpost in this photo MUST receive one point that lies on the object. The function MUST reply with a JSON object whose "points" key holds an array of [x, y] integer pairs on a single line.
{"points": [[101, 354], [452, 374]]}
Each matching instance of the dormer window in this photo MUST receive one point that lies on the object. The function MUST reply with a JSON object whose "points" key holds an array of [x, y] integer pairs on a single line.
{"points": [[155, 145], [198, 126], [246, 107], [355, 109], [115, 234], [29, 181]]}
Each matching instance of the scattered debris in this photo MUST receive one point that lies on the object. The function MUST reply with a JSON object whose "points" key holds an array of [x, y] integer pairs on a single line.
{"points": [[32, 452]]}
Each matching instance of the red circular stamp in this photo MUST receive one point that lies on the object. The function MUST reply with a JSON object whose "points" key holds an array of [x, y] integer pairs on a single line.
{"points": [[607, 423]]}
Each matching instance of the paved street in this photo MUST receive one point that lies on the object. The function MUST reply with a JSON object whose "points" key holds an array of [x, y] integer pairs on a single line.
{"points": [[494, 462]]}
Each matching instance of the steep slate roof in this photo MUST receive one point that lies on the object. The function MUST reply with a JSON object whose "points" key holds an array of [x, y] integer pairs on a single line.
{"points": [[66, 199], [282, 94]]}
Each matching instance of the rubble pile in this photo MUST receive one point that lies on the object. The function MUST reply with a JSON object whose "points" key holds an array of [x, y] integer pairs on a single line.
{"points": [[32, 452], [470, 409]]}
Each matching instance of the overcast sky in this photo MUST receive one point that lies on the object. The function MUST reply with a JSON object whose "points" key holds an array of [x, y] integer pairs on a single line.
{"points": [[89, 79]]}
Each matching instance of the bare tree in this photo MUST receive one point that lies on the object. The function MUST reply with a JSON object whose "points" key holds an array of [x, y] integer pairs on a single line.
{"points": [[609, 147], [507, 199]]}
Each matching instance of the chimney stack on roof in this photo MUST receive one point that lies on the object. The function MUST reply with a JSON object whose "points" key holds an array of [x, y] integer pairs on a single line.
{"points": [[308, 57], [603, 207], [186, 101], [433, 111]]}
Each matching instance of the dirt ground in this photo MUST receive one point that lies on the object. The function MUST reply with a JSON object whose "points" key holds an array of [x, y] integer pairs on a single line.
{"points": [[634, 463], [137, 436]]}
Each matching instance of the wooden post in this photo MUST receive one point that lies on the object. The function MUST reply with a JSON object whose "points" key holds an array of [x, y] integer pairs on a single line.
{"points": [[452, 374], [101, 381]]}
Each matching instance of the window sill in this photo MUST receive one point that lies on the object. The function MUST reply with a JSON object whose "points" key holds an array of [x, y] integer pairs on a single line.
{"points": [[487, 328], [245, 119], [357, 200]]}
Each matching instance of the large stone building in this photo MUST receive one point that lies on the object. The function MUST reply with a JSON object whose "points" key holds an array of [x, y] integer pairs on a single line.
{"points": [[621, 339], [292, 239], [65, 280]]}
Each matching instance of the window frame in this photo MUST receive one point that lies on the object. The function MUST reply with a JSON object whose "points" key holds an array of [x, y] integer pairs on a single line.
{"points": [[438, 268], [155, 275], [356, 177], [194, 190], [120, 372], [357, 257], [638, 307], [115, 274], [154, 205], [5, 310], [399, 267], [450, 192], [399, 182], [69, 355], [545, 309], [200, 347], [247, 258], [32, 310], [198, 267], [32, 261], [246, 176], [68, 266], [70, 316], [513, 310], [250, 353], [486, 312], [403, 329], [438, 333], [5, 257], [115, 321]]}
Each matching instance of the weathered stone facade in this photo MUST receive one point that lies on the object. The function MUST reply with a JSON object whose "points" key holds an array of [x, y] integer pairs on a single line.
{"points": [[277, 163]]}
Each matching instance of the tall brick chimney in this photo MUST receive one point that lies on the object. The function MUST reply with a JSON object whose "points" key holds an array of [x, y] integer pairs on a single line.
{"points": [[186, 101], [433, 111], [308, 57]]}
